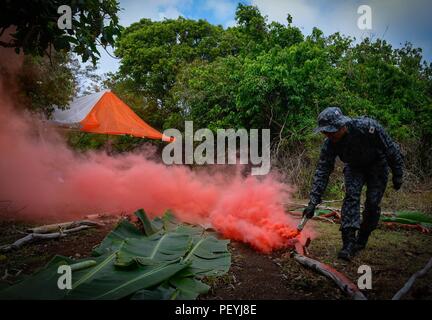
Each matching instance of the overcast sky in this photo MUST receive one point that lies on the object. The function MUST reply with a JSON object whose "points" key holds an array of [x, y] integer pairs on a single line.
{"points": [[397, 21]]}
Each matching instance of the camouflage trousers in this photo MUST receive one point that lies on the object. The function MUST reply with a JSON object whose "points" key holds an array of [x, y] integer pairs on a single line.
{"points": [[375, 178]]}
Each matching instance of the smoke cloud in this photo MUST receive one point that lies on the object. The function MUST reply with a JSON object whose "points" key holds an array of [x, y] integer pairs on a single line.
{"points": [[52, 182]]}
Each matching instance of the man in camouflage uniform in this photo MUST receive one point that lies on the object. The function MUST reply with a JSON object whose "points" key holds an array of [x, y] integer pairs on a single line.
{"points": [[367, 151]]}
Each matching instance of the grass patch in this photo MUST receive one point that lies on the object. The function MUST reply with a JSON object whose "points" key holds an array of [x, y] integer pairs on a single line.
{"points": [[393, 256]]}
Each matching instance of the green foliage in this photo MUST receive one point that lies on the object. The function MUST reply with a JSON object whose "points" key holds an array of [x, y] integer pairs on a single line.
{"points": [[209, 89], [153, 52], [37, 33], [283, 88], [155, 55], [84, 141], [45, 82], [251, 22], [166, 261], [388, 84], [269, 75], [409, 217]]}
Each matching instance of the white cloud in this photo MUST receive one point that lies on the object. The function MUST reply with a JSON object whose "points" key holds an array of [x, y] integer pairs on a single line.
{"points": [[152, 9], [329, 16], [303, 13], [222, 9], [397, 21], [230, 23], [170, 12]]}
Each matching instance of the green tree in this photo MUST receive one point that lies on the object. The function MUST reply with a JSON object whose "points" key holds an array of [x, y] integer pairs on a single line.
{"points": [[44, 82], [207, 92], [153, 53], [34, 29], [269, 75]]}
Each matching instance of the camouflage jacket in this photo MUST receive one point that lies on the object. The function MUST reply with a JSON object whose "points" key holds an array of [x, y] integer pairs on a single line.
{"points": [[366, 144]]}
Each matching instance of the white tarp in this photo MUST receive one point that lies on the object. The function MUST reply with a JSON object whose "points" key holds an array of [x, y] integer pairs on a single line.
{"points": [[78, 109]]}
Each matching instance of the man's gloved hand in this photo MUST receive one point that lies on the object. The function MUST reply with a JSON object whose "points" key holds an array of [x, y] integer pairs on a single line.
{"points": [[397, 182], [309, 211]]}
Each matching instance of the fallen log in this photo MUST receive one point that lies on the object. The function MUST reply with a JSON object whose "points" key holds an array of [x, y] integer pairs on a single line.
{"points": [[421, 273], [63, 226], [31, 237], [341, 280]]}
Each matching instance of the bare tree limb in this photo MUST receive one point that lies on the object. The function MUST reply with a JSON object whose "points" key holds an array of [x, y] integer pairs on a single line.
{"points": [[64, 226], [104, 47], [31, 237], [421, 273]]}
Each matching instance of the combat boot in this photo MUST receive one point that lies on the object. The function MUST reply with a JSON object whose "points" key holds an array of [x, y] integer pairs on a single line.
{"points": [[349, 242], [362, 240]]}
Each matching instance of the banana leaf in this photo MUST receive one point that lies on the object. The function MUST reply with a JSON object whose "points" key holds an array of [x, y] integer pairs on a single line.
{"points": [[167, 222], [208, 255], [110, 283], [414, 215], [162, 292], [149, 227], [406, 221], [102, 281], [187, 288], [321, 212], [409, 217], [177, 288], [112, 242], [191, 230], [42, 286], [165, 247], [128, 263]]}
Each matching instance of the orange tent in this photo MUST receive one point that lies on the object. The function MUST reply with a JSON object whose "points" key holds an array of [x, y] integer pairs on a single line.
{"points": [[104, 112]]}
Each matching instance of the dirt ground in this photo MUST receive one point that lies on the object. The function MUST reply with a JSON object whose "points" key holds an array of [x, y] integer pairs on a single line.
{"points": [[393, 255]]}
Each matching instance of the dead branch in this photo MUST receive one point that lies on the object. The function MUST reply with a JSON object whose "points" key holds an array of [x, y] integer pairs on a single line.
{"points": [[410, 282], [341, 280], [63, 226], [31, 237], [76, 229]]}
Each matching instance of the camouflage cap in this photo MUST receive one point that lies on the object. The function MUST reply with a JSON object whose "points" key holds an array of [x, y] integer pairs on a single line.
{"points": [[331, 119]]}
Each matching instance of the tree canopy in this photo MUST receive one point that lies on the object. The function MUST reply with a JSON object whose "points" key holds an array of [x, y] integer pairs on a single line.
{"points": [[260, 74], [270, 75], [36, 30]]}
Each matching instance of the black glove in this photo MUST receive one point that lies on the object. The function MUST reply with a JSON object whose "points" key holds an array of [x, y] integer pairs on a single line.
{"points": [[397, 182], [309, 211]]}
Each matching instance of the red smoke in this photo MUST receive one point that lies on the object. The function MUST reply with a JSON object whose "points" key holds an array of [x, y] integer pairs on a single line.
{"points": [[39, 171]]}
